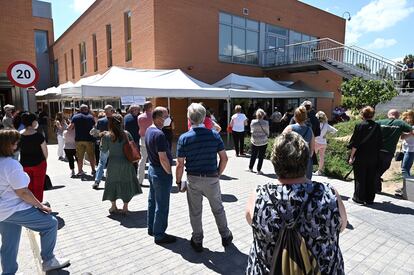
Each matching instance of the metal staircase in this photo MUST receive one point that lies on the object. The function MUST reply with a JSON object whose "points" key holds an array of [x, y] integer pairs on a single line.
{"points": [[328, 54]]}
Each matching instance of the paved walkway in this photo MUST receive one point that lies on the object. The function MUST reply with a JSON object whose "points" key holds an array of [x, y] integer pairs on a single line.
{"points": [[378, 239]]}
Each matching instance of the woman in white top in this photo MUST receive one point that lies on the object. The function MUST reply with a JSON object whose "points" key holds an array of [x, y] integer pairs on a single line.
{"points": [[60, 127], [408, 145], [19, 207], [320, 141], [238, 122]]}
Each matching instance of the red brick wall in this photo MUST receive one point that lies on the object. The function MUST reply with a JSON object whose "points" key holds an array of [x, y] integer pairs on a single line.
{"points": [[94, 21], [17, 27]]}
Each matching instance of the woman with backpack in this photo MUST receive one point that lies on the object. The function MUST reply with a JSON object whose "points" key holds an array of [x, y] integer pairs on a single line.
{"points": [[292, 211], [303, 129]]}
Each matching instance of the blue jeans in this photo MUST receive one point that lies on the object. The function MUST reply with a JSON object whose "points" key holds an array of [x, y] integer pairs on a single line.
{"points": [[309, 169], [407, 163], [103, 159], [11, 228], [158, 201]]}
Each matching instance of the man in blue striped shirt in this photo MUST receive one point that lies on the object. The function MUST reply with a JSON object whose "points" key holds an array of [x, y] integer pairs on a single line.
{"points": [[197, 150]]}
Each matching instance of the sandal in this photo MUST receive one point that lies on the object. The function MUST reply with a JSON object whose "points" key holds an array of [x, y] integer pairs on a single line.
{"points": [[113, 210]]}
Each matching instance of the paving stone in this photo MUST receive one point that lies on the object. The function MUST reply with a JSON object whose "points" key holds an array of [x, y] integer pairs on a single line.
{"points": [[103, 244]]}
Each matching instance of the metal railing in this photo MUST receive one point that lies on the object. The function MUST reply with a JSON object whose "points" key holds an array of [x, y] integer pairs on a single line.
{"points": [[352, 59]]}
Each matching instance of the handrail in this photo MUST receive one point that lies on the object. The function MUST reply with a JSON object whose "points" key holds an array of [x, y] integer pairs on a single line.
{"points": [[373, 65]]}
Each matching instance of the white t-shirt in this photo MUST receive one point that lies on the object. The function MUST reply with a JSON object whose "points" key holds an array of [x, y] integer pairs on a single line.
{"points": [[12, 177], [325, 129], [238, 122]]}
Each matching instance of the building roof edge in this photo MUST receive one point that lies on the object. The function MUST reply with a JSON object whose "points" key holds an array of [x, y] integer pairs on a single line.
{"points": [[97, 2]]}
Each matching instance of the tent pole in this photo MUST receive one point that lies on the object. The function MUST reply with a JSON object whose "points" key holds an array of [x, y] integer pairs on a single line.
{"points": [[228, 118], [169, 104], [273, 105]]}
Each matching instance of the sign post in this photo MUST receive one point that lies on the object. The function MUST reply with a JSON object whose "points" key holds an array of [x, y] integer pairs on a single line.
{"points": [[23, 74]]}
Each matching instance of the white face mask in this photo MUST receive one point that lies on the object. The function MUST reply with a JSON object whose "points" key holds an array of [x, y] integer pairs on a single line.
{"points": [[167, 122], [35, 125]]}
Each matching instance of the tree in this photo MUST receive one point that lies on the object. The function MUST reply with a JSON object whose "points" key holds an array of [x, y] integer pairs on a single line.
{"points": [[358, 92]]}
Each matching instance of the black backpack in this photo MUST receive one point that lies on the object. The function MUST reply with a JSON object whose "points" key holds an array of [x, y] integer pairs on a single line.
{"points": [[291, 254]]}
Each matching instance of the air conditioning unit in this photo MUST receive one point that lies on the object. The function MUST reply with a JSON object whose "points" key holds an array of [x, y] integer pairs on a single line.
{"points": [[245, 11]]}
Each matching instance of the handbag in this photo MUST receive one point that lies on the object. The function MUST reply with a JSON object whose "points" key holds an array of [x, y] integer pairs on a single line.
{"points": [[399, 155], [229, 129], [130, 149]]}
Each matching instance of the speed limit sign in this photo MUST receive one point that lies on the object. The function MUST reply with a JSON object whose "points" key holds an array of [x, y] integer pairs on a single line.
{"points": [[23, 74]]}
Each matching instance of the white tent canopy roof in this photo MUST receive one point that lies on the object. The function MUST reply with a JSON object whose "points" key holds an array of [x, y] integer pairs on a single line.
{"points": [[263, 87], [54, 90], [118, 81]]}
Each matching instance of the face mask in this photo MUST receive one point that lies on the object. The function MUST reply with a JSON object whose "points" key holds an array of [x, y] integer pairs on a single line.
{"points": [[167, 122], [35, 124]]}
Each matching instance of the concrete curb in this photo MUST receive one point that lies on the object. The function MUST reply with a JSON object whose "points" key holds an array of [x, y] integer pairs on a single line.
{"points": [[35, 247]]}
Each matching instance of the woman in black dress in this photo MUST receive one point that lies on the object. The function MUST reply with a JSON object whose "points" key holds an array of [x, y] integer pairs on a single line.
{"points": [[365, 145]]}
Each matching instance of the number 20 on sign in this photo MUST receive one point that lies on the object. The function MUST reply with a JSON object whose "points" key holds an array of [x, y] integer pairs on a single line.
{"points": [[23, 74]]}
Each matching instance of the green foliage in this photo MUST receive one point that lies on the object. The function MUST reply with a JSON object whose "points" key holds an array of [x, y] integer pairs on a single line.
{"points": [[408, 57], [345, 128], [358, 92], [248, 146], [336, 158], [363, 67]]}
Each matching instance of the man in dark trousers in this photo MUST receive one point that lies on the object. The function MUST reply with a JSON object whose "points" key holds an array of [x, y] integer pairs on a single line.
{"points": [[160, 178], [392, 129]]}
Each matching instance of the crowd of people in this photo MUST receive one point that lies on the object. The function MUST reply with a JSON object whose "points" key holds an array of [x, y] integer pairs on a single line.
{"points": [[105, 142]]}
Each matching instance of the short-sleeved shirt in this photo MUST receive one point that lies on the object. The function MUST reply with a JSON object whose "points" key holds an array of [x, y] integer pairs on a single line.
{"points": [[391, 132], [12, 177], [238, 122], [208, 123], [156, 142], [131, 125], [144, 121], [31, 153], [83, 125], [304, 130], [199, 147], [8, 122], [102, 124]]}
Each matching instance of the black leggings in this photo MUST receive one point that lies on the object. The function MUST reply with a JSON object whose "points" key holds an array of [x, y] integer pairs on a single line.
{"points": [[238, 138], [257, 152], [71, 156]]}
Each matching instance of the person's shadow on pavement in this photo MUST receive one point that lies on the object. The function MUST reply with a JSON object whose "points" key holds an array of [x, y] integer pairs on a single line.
{"points": [[231, 261], [134, 219]]}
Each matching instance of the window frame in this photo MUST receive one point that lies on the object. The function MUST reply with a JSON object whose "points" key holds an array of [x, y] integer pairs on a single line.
{"points": [[95, 52], [72, 59], [82, 58], [65, 57], [108, 29], [128, 35]]}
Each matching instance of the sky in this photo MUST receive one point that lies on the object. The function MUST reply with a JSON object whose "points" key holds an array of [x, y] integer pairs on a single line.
{"points": [[384, 27]]}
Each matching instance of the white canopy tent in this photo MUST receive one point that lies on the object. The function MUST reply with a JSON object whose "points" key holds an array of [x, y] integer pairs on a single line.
{"points": [[118, 81], [263, 87], [54, 90]]}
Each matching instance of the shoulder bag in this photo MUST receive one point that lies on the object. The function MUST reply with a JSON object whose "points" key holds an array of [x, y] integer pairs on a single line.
{"points": [[130, 149]]}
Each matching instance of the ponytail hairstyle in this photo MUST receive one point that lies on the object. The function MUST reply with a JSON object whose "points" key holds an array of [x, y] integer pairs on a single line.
{"points": [[301, 114], [116, 127]]}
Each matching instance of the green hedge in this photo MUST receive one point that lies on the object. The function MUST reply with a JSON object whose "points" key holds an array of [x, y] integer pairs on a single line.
{"points": [[336, 156]]}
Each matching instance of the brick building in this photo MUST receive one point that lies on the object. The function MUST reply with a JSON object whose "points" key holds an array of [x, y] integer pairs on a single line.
{"points": [[206, 39], [26, 30]]}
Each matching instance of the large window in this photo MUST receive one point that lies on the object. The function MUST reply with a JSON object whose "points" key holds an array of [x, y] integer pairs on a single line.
{"points": [[95, 53], [109, 45], [238, 39], [72, 63], [82, 58], [128, 45]]}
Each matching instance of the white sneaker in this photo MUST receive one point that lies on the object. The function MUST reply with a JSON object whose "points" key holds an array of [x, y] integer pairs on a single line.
{"points": [[318, 173], [250, 170], [55, 263], [259, 172]]}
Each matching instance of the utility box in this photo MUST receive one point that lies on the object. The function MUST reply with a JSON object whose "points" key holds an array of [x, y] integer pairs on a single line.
{"points": [[408, 189]]}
